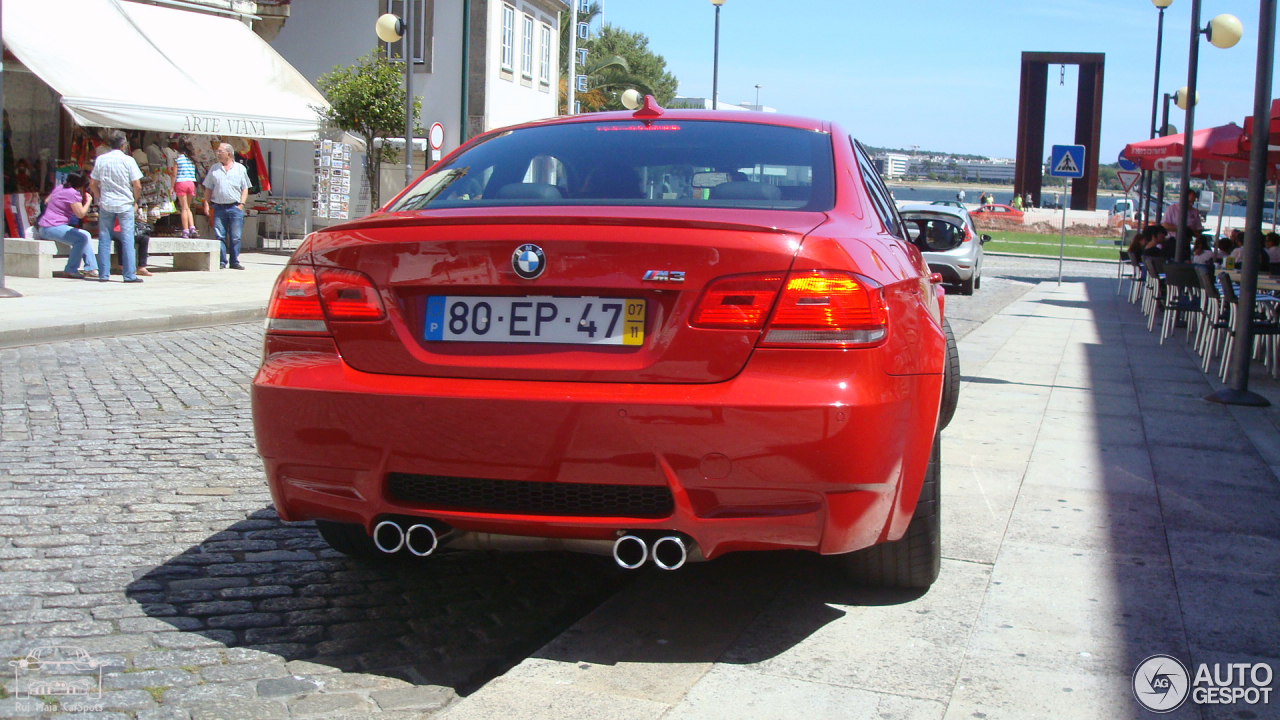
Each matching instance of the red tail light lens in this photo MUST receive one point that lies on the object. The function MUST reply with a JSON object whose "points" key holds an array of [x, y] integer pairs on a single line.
{"points": [[348, 295], [823, 307], [295, 302], [738, 302]]}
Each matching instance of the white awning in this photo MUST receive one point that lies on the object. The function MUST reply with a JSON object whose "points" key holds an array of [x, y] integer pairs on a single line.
{"points": [[143, 67]]}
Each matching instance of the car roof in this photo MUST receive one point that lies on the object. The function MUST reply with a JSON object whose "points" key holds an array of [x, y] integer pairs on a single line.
{"points": [[759, 118], [936, 209]]}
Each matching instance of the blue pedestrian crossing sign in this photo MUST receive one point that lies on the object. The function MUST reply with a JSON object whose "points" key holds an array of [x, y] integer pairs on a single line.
{"points": [[1067, 161]]}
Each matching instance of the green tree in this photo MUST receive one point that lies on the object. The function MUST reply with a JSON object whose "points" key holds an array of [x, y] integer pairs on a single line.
{"points": [[646, 70], [616, 61], [367, 100]]}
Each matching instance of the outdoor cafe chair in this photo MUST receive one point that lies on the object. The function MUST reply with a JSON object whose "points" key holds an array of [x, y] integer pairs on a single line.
{"points": [[1182, 298], [1126, 270], [1265, 334], [1152, 288], [1215, 317]]}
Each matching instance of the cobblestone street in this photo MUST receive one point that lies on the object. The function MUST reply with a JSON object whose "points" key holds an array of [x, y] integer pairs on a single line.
{"points": [[137, 526]]}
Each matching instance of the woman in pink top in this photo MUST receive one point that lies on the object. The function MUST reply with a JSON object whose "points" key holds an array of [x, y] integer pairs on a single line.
{"points": [[69, 200]]}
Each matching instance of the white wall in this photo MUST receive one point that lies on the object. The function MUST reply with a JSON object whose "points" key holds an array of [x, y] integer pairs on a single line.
{"points": [[323, 33], [508, 100]]}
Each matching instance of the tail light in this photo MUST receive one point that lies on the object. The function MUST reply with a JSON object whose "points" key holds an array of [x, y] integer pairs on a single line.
{"points": [[824, 307], [295, 302], [304, 297], [348, 295], [737, 302]]}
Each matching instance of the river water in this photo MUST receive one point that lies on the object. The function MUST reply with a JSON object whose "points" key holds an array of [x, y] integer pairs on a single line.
{"points": [[908, 193]]}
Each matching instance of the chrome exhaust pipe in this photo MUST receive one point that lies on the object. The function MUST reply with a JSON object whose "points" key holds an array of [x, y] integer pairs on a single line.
{"points": [[388, 537], [670, 552], [421, 540], [630, 552]]}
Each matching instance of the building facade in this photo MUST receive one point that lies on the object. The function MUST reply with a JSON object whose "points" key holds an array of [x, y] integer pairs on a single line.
{"points": [[513, 51]]}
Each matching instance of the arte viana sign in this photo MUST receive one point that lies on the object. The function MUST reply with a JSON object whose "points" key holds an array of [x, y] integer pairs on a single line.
{"points": [[213, 125]]}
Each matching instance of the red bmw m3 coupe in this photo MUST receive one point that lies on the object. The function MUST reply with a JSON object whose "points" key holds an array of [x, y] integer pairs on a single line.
{"points": [[660, 336]]}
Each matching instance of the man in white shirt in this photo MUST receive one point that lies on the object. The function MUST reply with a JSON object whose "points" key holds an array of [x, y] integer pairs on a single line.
{"points": [[117, 183], [227, 190], [1273, 249]]}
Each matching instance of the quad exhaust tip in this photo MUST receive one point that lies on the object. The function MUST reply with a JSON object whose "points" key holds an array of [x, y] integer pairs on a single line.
{"points": [[388, 536], [421, 540], [630, 552], [670, 552]]}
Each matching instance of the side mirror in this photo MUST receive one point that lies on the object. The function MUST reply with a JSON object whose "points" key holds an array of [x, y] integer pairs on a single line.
{"points": [[984, 239]]}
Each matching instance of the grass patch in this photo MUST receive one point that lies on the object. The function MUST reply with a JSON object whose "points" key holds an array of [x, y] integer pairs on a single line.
{"points": [[1077, 246], [157, 692]]}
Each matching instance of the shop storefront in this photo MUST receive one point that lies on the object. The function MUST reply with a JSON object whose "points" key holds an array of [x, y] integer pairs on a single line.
{"points": [[76, 69]]}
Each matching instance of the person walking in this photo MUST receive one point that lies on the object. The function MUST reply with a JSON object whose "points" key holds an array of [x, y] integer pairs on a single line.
{"points": [[227, 189], [117, 183], [70, 200], [184, 187], [1017, 203]]}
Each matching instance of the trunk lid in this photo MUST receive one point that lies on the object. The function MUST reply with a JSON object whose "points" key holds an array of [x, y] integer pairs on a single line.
{"points": [[596, 254]]}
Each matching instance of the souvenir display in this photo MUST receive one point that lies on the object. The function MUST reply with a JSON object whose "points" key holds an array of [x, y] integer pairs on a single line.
{"points": [[331, 187]]}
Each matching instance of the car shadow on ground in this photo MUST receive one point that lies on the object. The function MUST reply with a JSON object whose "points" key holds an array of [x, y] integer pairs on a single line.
{"points": [[458, 619], [455, 619]]}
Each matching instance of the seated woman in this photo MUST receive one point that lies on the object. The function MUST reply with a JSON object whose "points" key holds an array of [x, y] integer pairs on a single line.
{"points": [[69, 200], [1201, 254]]}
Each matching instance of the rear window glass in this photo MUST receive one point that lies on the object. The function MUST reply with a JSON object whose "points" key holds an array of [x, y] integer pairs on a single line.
{"points": [[934, 234], [667, 163]]}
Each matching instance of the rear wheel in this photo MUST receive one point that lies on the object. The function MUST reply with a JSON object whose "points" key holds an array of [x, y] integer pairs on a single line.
{"points": [[913, 561], [950, 379], [348, 539], [977, 279]]}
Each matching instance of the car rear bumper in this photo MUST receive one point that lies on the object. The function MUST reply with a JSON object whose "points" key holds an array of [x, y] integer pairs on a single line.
{"points": [[825, 454]]}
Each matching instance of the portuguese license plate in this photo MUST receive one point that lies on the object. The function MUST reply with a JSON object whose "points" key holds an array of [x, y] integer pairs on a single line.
{"points": [[561, 320]]}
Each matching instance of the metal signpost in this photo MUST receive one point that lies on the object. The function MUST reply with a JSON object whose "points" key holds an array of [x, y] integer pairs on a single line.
{"points": [[1066, 162]]}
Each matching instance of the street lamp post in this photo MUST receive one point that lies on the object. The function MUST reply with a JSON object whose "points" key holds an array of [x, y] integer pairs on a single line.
{"points": [[757, 97], [391, 28], [1223, 31], [1237, 391], [715, 61], [1166, 130], [1155, 94]]}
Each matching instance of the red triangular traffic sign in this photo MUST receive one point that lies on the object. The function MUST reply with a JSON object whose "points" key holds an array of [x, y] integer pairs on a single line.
{"points": [[1128, 179]]}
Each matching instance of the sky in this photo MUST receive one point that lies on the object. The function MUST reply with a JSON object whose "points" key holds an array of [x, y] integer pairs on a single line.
{"points": [[943, 74]]}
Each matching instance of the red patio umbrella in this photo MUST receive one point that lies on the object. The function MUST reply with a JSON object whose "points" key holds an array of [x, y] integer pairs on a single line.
{"points": [[1165, 153]]}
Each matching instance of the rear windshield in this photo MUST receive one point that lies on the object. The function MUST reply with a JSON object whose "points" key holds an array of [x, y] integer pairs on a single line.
{"points": [[938, 234], [667, 163]]}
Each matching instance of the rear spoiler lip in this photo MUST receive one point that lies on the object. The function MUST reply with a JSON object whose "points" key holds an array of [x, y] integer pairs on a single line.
{"points": [[799, 222]]}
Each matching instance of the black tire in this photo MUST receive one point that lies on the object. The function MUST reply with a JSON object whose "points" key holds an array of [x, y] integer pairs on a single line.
{"points": [[950, 379], [913, 561], [977, 279], [348, 539], [966, 286]]}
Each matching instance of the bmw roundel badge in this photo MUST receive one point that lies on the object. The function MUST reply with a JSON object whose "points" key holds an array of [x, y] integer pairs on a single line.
{"points": [[528, 261]]}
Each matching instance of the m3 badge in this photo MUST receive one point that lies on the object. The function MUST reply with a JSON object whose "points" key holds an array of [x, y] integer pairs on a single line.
{"points": [[664, 276]]}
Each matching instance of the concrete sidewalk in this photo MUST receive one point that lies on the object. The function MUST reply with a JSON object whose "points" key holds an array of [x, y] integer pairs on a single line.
{"points": [[1096, 512], [58, 309]]}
